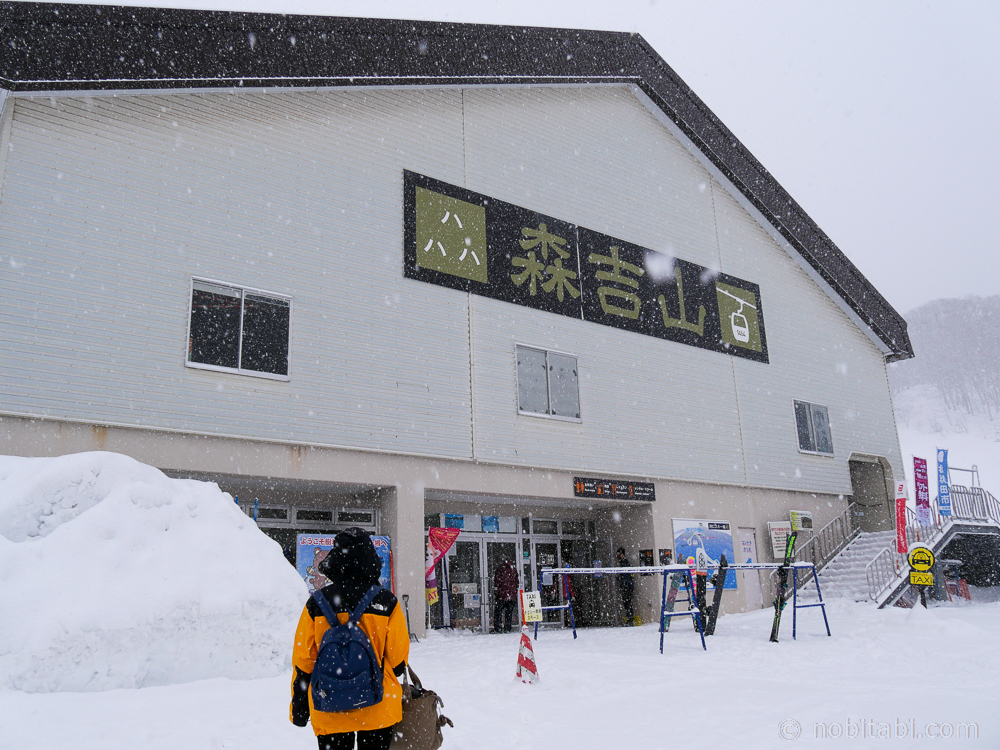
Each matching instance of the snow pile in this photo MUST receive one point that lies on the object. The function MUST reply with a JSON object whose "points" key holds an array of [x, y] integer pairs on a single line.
{"points": [[113, 575]]}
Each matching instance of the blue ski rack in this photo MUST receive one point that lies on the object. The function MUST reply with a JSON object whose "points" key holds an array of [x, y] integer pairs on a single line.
{"points": [[569, 602]]}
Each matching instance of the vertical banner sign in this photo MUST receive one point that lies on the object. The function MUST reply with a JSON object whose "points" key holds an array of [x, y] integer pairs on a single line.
{"points": [[922, 490], [439, 541], [901, 517], [944, 491]]}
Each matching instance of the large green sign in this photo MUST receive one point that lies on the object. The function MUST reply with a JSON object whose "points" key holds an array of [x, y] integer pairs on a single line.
{"points": [[464, 240]]}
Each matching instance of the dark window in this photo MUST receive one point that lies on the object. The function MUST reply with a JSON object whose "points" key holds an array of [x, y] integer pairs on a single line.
{"points": [[273, 513], [545, 527], [355, 516], [215, 325], [812, 423], [314, 515], [265, 334], [238, 330]]}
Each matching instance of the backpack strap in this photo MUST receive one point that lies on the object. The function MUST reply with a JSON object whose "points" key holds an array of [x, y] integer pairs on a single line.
{"points": [[325, 608], [365, 601], [331, 616]]}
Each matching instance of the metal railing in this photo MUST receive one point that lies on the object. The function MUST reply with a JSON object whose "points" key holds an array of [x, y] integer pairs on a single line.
{"points": [[974, 504], [827, 543], [967, 504]]}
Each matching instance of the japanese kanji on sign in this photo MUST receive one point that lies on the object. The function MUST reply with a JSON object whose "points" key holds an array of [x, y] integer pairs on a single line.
{"points": [[457, 238]]}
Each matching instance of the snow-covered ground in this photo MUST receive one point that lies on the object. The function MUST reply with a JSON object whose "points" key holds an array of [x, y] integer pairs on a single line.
{"points": [[123, 590], [112, 575], [882, 671]]}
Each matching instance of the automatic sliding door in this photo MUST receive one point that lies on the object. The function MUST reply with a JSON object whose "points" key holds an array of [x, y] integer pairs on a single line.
{"points": [[496, 554], [547, 556]]}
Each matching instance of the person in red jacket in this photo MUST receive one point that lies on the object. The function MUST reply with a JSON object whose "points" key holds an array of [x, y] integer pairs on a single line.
{"points": [[505, 586], [352, 567]]}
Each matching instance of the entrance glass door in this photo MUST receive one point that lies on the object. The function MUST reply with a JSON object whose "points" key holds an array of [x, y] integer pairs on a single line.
{"points": [[496, 553], [465, 585], [547, 556]]}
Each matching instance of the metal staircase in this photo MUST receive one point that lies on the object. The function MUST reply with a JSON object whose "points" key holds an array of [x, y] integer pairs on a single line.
{"points": [[865, 566], [845, 575], [974, 511]]}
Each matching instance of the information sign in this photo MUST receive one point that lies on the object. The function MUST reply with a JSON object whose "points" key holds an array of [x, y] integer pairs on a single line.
{"points": [[921, 559], [531, 606], [801, 520], [614, 489], [921, 579], [461, 239], [779, 531]]}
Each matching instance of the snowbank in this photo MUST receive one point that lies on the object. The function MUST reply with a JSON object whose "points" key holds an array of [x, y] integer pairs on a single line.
{"points": [[113, 575]]}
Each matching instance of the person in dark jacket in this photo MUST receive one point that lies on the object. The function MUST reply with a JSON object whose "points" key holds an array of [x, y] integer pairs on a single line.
{"points": [[504, 595], [626, 585], [352, 567]]}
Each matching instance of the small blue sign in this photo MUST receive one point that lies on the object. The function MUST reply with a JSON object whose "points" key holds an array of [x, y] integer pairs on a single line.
{"points": [[491, 524], [454, 521], [944, 491]]}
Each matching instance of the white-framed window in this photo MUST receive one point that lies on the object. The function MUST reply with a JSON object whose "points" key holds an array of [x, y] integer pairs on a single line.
{"points": [[238, 329], [812, 423], [548, 384]]}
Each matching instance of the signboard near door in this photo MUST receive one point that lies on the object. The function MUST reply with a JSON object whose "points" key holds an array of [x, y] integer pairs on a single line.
{"points": [[751, 578]]}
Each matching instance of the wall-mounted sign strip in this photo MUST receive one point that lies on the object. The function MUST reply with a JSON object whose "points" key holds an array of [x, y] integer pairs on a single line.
{"points": [[460, 239], [614, 489]]}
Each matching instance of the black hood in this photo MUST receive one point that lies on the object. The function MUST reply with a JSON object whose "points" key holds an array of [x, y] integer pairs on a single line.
{"points": [[353, 556]]}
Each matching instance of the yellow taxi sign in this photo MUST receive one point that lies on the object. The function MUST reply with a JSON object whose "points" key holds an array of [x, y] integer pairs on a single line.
{"points": [[531, 606], [921, 559], [921, 579]]}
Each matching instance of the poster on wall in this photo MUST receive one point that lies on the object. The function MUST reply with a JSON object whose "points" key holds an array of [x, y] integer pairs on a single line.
{"points": [[711, 539], [310, 549]]}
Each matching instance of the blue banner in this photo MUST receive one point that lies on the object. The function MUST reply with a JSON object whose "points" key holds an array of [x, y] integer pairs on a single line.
{"points": [[944, 491]]}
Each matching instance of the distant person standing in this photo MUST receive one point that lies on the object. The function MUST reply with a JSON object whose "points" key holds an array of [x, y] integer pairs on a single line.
{"points": [[504, 595], [626, 586]]}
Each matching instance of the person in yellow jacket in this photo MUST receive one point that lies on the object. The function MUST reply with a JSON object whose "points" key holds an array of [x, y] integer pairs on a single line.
{"points": [[352, 567]]}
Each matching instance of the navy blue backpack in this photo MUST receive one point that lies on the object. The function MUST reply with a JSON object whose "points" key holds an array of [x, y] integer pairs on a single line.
{"points": [[347, 673]]}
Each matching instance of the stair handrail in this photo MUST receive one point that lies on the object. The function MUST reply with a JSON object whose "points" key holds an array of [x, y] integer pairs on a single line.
{"points": [[827, 543], [883, 571], [974, 504], [967, 503]]}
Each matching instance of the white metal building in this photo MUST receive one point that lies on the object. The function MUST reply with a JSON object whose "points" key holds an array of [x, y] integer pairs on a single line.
{"points": [[232, 247]]}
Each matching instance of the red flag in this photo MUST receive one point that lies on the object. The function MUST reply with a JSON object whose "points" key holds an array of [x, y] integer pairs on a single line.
{"points": [[439, 541]]}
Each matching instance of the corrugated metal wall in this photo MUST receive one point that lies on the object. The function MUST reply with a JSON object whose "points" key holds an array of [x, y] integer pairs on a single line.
{"points": [[111, 205], [817, 354]]}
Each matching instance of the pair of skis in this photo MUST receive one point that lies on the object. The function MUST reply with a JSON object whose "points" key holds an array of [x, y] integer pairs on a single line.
{"points": [[783, 571], [711, 613]]}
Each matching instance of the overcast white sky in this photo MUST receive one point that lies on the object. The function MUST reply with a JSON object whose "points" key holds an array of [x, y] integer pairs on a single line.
{"points": [[882, 119]]}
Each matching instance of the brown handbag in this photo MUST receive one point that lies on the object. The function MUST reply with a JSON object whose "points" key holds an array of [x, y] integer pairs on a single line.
{"points": [[420, 728]]}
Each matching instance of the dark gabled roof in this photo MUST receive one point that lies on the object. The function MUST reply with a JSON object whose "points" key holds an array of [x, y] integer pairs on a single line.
{"points": [[50, 47]]}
